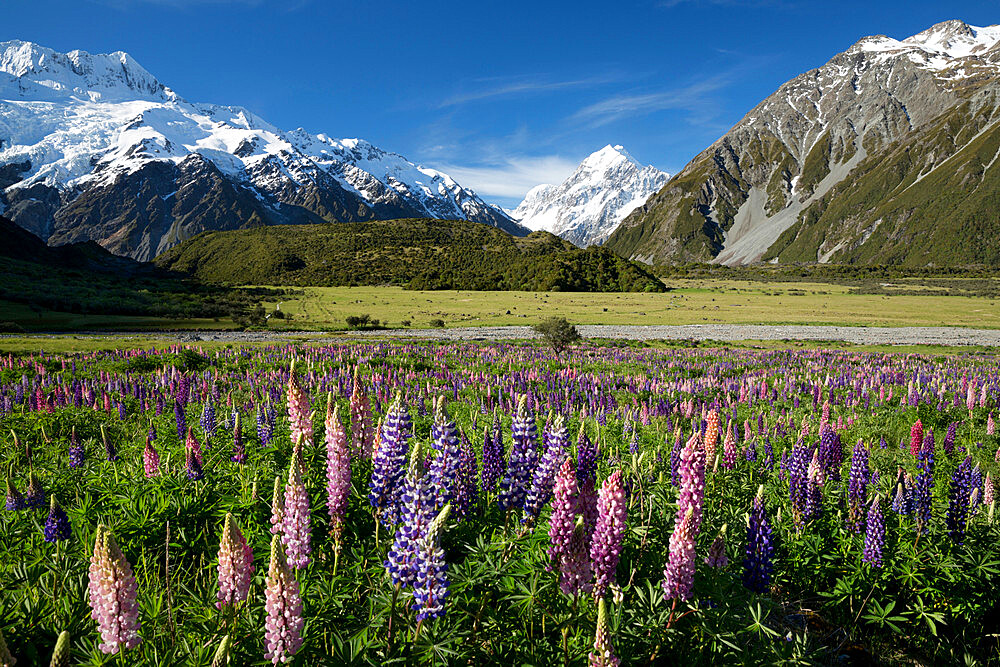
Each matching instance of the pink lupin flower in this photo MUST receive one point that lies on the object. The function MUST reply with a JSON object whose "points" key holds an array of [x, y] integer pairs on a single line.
{"points": [[569, 552], [191, 444], [729, 451], [678, 576], [299, 415], [991, 427], [916, 437], [362, 434], [606, 545], [235, 564], [295, 526], [692, 479], [562, 519], [112, 593], [711, 434], [277, 506], [604, 652], [988, 490], [150, 460], [338, 471], [283, 626]]}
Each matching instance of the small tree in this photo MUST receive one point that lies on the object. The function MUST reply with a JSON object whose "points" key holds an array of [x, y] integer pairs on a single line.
{"points": [[558, 333]]}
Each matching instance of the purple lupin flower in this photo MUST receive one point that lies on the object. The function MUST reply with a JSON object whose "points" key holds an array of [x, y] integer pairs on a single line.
{"points": [[112, 594], [922, 493], [295, 525], [57, 526], [430, 584], [606, 544], [239, 449], [192, 457], [830, 453], [958, 501], [586, 459], [523, 455], [556, 443], [15, 501], [675, 459], [110, 451], [444, 468], [467, 495], [415, 518], [180, 418], [208, 421], [874, 548], [493, 463], [34, 496], [283, 604], [604, 652], [150, 459], [76, 451], [235, 565], [338, 471], [857, 487], [716, 556], [757, 564], [388, 464], [949, 438]]}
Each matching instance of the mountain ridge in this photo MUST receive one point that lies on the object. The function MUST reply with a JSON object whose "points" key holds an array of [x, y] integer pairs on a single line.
{"points": [[79, 132], [791, 156]]}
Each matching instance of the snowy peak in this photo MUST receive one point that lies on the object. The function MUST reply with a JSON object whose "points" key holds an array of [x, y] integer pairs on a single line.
{"points": [[109, 76], [84, 137], [940, 47], [586, 207]]}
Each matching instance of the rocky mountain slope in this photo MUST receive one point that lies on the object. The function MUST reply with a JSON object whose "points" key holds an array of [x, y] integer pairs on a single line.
{"points": [[94, 147], [586, 207], [884, 154]]}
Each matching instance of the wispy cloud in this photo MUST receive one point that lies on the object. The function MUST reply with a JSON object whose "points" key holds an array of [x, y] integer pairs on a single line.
{"points": [[695, 98], [512, 177], [526, 86]]}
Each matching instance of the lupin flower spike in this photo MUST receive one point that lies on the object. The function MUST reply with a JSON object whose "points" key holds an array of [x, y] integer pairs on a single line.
{"points": [[338, 471], [57, 526], [604, 653], [235, 564], [283, 604], [277, 506], [60, 654], [221, 657], [112, 594], [295, 526]]}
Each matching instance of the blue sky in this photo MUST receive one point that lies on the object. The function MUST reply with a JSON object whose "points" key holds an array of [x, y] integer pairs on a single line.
{"points": [[502, 95]]}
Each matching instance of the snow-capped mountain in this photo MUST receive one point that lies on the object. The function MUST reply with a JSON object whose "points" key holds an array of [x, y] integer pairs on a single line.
{"points": [[95, 147], [883, 154], [586, 207]]}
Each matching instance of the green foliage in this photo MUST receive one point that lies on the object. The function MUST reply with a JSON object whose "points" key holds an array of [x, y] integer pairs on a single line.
{"points": [[558, 333], [418, 254], [362, 322], [437, 323]]}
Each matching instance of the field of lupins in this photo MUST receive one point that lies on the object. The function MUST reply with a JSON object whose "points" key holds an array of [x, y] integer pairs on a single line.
{"points": [[494, 504]]}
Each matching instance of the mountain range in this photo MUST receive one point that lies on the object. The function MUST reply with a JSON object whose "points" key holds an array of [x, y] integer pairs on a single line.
{"points": [[94, 147], [586, 207], [885, 154]]}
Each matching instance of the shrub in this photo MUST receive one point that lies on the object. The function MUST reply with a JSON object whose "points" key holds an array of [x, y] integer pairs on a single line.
{"points": [[365, 321], [558, 333], [437, 323]]}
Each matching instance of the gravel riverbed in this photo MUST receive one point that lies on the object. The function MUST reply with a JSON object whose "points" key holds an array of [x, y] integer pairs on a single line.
{"points": [[717, 332]]}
